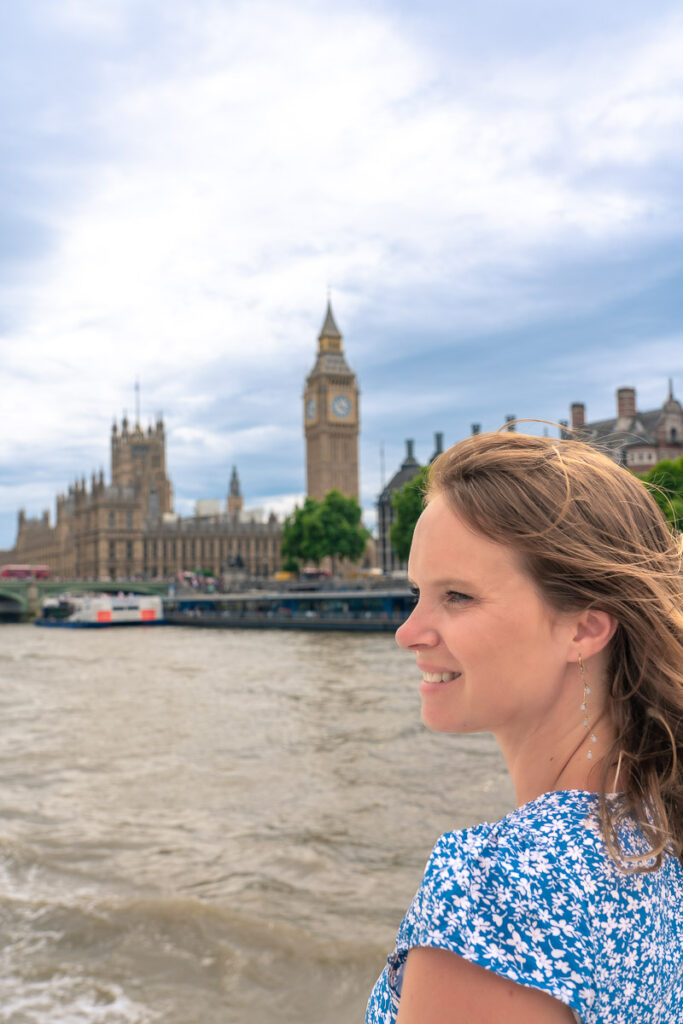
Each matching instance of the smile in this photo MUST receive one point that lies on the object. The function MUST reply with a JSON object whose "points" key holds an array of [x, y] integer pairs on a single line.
{"points": [[440, 677]]}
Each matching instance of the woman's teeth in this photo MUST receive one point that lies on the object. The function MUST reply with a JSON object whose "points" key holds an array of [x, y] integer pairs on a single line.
{"points": [[439, 677]]}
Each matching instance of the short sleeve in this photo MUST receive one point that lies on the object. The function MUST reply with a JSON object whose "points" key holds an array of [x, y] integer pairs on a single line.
{"points": [[513, 906]]}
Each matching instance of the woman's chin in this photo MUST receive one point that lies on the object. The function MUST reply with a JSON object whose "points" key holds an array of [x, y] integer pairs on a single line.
{"points": [[443, 722]]}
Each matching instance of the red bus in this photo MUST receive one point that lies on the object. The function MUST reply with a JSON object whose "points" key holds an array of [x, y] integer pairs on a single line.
{"points": [[24, 572]]}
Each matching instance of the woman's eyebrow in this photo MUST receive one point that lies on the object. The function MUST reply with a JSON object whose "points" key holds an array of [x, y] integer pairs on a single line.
{"points": [[447, 582]]}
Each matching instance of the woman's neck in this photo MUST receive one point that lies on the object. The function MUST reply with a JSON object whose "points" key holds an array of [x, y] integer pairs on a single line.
{"points": [[549, 759]]}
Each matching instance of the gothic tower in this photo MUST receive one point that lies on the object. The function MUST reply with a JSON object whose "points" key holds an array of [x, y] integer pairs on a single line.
{"points": [[331, 418], [138, 465], [235, 500]]}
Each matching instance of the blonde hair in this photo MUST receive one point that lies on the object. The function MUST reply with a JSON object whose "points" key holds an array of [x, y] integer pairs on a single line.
{"points": [[590, 534]]}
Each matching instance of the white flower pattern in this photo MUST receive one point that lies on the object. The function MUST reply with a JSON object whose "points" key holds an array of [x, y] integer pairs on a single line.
{"points": [[536, 898]]}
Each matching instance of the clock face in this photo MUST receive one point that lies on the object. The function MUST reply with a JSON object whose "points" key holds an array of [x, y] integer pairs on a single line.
{"points": [[341, 406], [310, 408]]}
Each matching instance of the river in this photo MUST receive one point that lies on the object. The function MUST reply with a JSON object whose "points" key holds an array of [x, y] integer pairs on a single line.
{"points": [[215, 827]]}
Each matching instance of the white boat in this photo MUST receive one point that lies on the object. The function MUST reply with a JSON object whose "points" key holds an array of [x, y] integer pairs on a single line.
{"points": [[99, 610]]}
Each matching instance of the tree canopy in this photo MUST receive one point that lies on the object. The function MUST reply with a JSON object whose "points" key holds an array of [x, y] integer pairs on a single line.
{"points": [[302, 536], [344, 533], [408, 503], [666, 480], [331, 527]]}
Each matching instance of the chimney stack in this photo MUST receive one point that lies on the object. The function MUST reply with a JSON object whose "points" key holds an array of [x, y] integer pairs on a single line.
{"points": [[578, 411], [626, 403]]}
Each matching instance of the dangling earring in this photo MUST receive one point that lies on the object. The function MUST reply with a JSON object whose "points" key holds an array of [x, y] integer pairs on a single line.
{"points": [[584, 705]]}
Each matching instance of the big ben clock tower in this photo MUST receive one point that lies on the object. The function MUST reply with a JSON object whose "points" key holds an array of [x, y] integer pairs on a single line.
{"points": [[331, 418]]}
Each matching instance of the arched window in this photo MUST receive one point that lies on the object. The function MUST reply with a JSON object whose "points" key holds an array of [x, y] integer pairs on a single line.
{"points": [[672, 434]]}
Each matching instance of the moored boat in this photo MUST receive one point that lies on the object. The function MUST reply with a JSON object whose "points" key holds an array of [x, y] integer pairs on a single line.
{"points": [[100, 610], [345, 610]]}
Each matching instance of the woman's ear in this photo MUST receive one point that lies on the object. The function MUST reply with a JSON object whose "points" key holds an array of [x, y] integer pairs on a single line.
{"points": [[593, 631]]}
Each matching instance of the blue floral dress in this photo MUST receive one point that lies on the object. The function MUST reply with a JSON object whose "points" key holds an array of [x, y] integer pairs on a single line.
{"points": [[536, 898]]}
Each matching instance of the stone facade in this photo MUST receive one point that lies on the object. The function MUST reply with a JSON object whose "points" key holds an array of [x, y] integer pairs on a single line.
{"points": [[127, 529], [409, 468], [331, 418], [638, 440]]}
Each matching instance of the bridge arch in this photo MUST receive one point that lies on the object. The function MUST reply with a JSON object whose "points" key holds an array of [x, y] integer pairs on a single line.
{"points": [[13, 604]]}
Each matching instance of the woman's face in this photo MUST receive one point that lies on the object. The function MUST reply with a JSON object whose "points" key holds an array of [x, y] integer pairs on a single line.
{"points": [[493, 654]]}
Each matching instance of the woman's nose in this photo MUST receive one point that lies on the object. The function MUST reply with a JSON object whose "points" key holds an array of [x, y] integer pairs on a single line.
{"points": [[416, 631]]}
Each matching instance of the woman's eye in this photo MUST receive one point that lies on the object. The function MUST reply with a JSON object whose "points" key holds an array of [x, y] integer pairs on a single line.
{"points": [[455, 597]]}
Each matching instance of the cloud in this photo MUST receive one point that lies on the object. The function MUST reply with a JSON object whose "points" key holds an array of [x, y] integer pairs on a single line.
{"points": [[194, 176]]}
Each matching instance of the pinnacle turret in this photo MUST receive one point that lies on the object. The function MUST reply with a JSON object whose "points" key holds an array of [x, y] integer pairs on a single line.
{"points": [[235, 500], [235, 491], [329, 328]]}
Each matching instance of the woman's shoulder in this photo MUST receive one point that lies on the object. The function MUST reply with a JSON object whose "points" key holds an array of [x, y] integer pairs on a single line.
{"points": [[554, 842], [552, 827], [560, 824], [510, 895]]}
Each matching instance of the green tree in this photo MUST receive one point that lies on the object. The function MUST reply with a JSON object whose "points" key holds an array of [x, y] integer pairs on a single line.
{"points": [[290, 564], [408, 503], [303, 534], [343, 531], [666, 480], [329, 527]]}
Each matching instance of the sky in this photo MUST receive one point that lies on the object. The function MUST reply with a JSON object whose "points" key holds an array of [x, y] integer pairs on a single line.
{"points": [[490, 193]]}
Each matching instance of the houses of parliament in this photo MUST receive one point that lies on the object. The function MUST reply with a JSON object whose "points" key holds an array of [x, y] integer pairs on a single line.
{"points": [[127, 528]]}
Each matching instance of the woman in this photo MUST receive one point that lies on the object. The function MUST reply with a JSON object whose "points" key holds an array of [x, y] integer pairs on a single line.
{"points": [[549, 612]]}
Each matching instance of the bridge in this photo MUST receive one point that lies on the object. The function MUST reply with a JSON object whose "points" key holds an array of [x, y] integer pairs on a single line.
{"points": [[21, 599]]}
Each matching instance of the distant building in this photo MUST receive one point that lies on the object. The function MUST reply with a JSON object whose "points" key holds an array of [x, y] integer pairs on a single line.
{"points": [[127, 528], [207, 507], [637, 440], [331, 418], [410, 467]]}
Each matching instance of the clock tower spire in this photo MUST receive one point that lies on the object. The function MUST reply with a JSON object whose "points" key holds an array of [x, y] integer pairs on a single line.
{"points": [[331, 417]]}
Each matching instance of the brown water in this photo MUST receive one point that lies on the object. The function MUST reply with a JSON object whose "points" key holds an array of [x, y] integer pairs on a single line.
{"points": [[220, 827]]}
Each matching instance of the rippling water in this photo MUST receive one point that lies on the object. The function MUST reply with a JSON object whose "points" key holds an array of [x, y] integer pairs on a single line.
{"points": [[220, 827]]}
